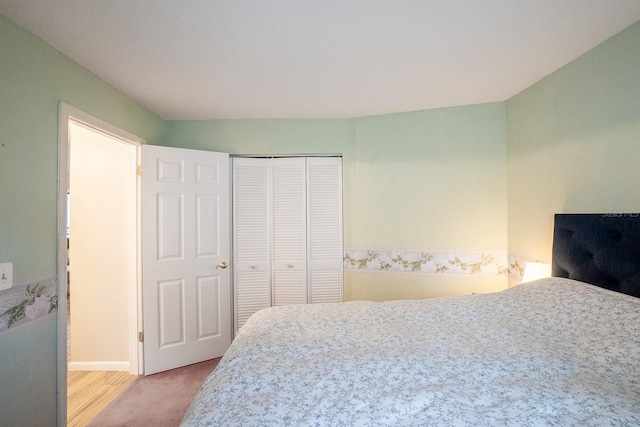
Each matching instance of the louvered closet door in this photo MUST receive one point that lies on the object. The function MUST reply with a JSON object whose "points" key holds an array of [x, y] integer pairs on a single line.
{"points": [[324, 211], [251, 245], [288, 257]]}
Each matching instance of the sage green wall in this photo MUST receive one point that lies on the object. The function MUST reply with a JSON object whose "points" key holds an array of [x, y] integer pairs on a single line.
{"points": [[33, 79], [28, 374], [574, 143], [432, 180]]}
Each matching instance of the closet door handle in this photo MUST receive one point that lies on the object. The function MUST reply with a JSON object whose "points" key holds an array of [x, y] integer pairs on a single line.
{"points": [[223, 264], [289, 265]]}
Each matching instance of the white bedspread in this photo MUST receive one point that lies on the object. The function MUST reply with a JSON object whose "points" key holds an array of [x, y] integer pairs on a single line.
{"points": [[551, 352]]}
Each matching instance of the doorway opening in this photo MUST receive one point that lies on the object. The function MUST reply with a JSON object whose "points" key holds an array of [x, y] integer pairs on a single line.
{"points": [[98, 271], [102, 248]]}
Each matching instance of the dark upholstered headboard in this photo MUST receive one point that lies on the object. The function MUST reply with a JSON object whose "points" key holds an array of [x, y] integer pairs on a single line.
{"points": [[601, 249]]}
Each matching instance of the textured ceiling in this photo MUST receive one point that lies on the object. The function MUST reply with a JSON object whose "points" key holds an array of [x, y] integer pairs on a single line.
{"points": [[320, 58]]}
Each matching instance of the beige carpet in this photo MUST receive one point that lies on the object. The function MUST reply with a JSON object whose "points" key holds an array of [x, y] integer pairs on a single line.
{"points": [[158, 400]]}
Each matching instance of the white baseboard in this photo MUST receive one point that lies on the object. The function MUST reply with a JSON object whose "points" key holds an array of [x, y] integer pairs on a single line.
{"points": [[98, 366]]}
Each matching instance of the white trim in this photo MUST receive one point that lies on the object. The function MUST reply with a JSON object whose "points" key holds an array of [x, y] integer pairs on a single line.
{"points": [[86, 119], [98, 366], [62, 255], [66, 113], [136, 348]]}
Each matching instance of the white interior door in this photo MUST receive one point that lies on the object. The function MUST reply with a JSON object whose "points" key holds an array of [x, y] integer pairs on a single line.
{"points": [[185, 244]]}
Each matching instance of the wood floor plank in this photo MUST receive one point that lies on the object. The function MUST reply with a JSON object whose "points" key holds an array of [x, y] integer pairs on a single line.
{"points": [[89, 392]]}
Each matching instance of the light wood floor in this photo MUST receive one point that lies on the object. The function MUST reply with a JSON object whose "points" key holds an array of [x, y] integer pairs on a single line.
{"points": [[88, 393]]}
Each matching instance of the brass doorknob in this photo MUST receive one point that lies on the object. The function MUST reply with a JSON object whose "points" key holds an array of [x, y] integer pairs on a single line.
{"points": [[223, 264]]}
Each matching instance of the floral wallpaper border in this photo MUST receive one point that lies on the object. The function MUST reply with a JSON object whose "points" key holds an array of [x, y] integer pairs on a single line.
{"points": [[487, 264], [25, 303]]}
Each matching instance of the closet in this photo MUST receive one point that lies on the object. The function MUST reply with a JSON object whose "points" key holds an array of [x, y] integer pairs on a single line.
{"points": [[287, 232]]}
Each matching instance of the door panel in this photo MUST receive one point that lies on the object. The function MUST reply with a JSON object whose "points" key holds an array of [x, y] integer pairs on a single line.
{"points": [[289, 236], [251, 230], [170, 226], [171, 312], [208, 320], [252, 293], [324, 212], [207, 207], [289, 287], [185, 235]]}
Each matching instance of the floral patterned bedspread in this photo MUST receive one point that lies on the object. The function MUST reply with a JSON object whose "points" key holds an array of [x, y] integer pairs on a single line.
{"points": [[550, 352]]}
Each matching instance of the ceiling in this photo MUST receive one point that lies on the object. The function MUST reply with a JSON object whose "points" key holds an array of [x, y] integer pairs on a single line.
{"points": [[217, 59]]}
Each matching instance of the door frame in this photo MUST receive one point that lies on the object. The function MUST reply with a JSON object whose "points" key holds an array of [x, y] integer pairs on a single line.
{"points": [[65, 114]]}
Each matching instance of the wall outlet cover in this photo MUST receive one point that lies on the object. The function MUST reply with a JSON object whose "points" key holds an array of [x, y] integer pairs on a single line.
{"points": [[6, 275]]}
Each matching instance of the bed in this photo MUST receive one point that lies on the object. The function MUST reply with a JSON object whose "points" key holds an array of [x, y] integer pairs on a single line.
{"points": [[557, 351]]}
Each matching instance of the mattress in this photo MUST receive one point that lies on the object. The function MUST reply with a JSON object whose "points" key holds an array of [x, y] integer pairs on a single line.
{"points": [[549, 352]]}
